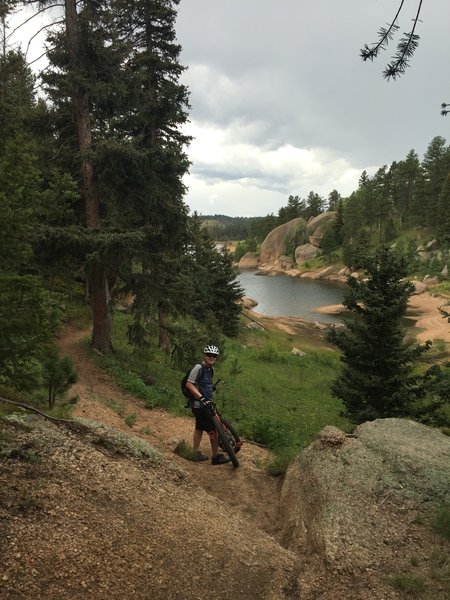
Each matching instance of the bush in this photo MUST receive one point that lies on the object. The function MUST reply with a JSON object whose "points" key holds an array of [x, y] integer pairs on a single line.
{"points": [[271, 354], [408, 583], [441, 521], [271, 432]]}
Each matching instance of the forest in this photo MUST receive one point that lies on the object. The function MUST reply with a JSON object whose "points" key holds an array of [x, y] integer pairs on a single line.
{"points": [[91, 202], [409, 194], [92, 199]]}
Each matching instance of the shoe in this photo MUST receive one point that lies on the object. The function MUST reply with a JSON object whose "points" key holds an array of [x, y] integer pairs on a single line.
{"points": [[199, 456], [219, 459]]}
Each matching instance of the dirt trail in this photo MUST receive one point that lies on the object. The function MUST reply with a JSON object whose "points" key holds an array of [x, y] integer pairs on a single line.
{"points": [[248, 489]]}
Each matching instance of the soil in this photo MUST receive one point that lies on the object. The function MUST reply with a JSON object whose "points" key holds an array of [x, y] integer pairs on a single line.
{"points": [[250, 490], [82, 527]]}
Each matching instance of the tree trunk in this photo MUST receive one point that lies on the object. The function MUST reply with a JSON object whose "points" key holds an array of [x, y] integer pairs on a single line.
{"points": [[164, 340], [101, 318], [101, 330]]}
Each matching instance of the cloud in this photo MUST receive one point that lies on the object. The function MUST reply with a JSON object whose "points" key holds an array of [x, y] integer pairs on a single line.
{"points": [[282, 103], [224, 165]]}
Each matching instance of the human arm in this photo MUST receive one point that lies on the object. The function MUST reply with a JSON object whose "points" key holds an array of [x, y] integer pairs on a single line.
{"points": [[193, 390]]}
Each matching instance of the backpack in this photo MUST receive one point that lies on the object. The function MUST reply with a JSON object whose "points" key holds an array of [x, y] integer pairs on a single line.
{"points": [[201, 375]]}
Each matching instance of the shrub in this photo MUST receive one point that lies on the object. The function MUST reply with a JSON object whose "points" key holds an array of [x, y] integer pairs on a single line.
{"points": [[408, 583], [130, 420], [270, 431], [270, 353], [441, 521]]}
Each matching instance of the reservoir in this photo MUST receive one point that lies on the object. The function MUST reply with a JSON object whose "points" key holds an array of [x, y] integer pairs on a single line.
{"points": [[285, 296]]}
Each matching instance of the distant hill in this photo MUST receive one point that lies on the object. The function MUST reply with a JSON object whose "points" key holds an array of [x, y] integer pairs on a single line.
{"points": [[222, 227]]}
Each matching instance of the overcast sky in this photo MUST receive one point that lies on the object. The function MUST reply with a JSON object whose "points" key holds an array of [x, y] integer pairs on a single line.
{"points": [[282, 104]]}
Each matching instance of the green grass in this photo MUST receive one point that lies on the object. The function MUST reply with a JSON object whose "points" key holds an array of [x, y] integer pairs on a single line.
{"points": [[441, 521], [271, 397], [408, 583], [184, 450], [442, 289]]}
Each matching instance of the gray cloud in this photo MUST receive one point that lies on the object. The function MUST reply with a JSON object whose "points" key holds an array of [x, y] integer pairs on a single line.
{"points": [[270, 75]]}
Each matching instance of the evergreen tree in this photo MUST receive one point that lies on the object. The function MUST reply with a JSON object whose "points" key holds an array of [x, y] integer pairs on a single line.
{"points": [[338, 224], [214, 280], [315, 205], [329, 242], [116, 73], [295, 208], [377, 379], [407, 173], [435, 168], [443, 227], [334, 198], [364, 179], [27, 319]]}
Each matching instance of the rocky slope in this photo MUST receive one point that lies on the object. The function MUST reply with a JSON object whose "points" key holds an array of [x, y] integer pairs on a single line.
{"points": [[92, 513]]}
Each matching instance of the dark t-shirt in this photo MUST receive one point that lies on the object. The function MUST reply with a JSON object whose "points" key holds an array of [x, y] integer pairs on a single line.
{"points": [[204, 383]]}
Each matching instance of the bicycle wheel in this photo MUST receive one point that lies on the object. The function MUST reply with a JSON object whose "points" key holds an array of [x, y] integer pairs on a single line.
{"points": [[232, 435], [224, 441]]}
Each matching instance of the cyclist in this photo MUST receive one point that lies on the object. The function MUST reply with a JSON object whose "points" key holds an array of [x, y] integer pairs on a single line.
{"points": [[200, 385]]}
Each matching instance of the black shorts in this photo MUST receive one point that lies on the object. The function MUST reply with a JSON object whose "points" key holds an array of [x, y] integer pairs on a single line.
{"points": [[203, 421]]}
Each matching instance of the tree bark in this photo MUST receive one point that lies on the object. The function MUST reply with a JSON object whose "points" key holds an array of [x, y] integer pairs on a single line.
{"points": [[164, 340], [101, 330], [101, 318]]}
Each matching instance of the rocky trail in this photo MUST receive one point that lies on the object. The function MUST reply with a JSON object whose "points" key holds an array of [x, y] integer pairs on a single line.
{"points": [[82, 516], [248, 489]]}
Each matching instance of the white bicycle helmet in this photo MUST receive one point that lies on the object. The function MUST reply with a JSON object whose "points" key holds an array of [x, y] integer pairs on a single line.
{"points": [[211, 350]]}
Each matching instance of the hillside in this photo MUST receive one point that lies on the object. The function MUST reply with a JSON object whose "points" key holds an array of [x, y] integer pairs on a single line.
{"points": [[86, 513]]}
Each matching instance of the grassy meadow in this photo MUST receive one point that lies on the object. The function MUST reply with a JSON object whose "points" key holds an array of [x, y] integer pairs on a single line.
{"points": [[271, 396]]}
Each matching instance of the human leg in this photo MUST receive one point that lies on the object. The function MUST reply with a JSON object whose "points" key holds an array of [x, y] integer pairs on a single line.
{"points": [[217, 458], [198, 434]]}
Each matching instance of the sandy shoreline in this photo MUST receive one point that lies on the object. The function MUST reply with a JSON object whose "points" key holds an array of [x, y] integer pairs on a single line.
{"points": [[423, 309]]}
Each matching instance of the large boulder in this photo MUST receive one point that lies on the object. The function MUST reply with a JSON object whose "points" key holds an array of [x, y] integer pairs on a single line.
{"points": [[250, 260], [320, 220], [350, 503], [248, 302], [276, 241], [306, 252], [317, 226]]}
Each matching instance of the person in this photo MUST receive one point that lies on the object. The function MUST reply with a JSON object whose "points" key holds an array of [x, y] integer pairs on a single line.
{"points": [[200, 385]]}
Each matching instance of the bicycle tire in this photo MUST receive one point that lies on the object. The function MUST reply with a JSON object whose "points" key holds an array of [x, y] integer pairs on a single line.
{"points": [[225, 441], [232, 434]]}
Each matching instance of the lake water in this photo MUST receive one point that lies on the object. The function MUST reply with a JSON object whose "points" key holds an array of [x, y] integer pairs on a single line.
{"points": [[285, 296]]}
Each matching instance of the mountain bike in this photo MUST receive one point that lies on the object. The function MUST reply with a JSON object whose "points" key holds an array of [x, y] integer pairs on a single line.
{"points": [[229, 440]]}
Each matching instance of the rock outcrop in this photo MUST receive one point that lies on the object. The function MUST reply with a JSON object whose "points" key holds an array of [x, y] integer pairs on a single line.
{"points": [[250, 260], [304, 239], [274, 245], [349, 503], [306, 252], [316, 227]]}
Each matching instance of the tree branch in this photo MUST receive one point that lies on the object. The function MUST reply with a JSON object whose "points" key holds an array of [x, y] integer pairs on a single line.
{"points": [[30, 18], [385, 35], [405, 49], [38, 32], [54, 419]]}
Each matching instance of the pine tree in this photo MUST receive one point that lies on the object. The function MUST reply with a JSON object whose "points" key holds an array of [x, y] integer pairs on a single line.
{"points": [[434, 170], [118, 108], [377, 379], [213, 279], [26, 317], [443, 227], [334, 198], [407, 173]]}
